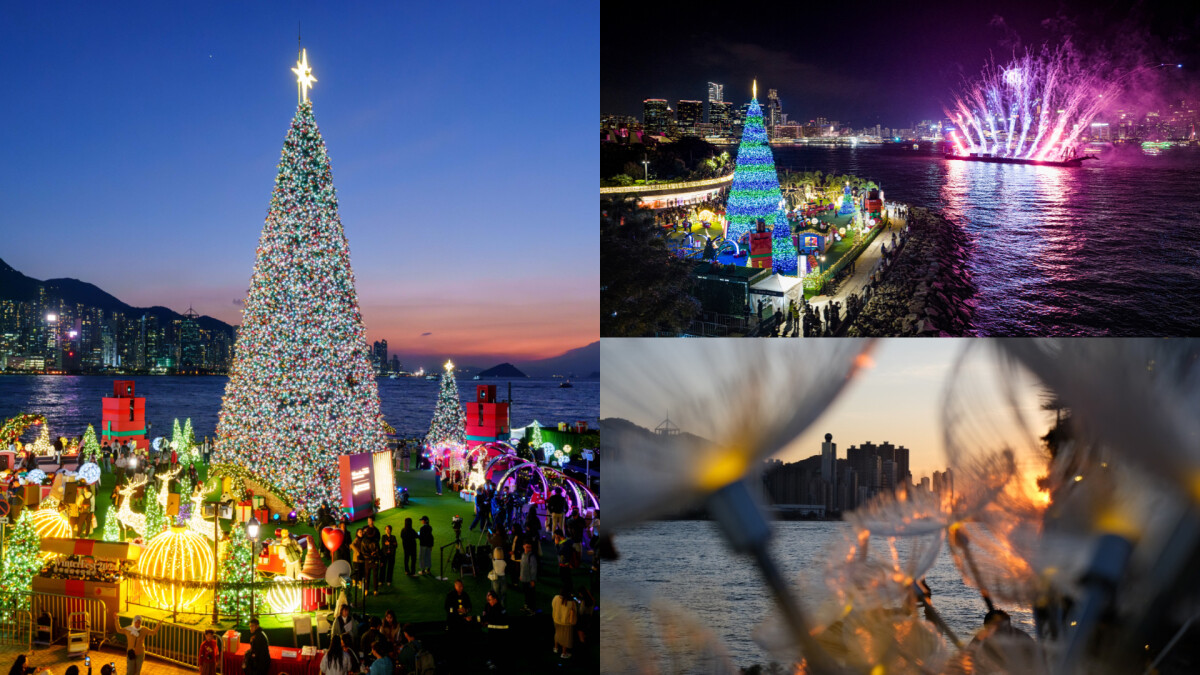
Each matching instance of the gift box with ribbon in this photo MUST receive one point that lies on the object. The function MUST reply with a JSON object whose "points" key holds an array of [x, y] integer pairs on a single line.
{"points": [[243, 511], [232, 641]]}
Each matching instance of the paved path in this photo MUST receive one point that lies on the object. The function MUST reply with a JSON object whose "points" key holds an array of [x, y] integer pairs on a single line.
{"points": [[55, 659], [864, 266]]}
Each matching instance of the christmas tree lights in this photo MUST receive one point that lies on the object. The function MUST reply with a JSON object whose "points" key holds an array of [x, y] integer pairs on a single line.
{"points": [[21, 559], [112, 526], [189, 437], [449, 422], [235, 567], [90, 450], [301, 391], [755, 193], [156, 519]]}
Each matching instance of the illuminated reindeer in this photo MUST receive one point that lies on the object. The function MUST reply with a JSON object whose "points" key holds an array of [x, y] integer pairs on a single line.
{"points": [[196, 522], [166, 485], [134, 521]]}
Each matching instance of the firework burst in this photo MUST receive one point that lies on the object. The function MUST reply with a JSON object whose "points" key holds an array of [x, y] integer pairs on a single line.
{"points": [[1033, 107]]}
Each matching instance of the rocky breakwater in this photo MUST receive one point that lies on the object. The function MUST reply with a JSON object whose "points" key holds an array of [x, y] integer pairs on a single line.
{"points": [[925, 289]]}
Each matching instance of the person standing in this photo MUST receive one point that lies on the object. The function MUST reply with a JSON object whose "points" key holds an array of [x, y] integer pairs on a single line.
{"points": [[206, 659], [358, 563], [565, 612], [497, 575], [387, 552], [408, 539], [437, 477], [495, 620], [371, 565], [528, 576], [343, 552], [135, 639], [404, 456], [336, 661], [458, 609], [483, 508], [425, 538], [258, 659], [557, 506]]}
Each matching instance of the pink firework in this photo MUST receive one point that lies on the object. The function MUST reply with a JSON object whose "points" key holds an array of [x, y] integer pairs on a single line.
{"points": [[1033, 107]]}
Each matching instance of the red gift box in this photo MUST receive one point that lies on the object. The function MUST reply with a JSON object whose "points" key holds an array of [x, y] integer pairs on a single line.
{"points": [[312, 598], [263, 515]]}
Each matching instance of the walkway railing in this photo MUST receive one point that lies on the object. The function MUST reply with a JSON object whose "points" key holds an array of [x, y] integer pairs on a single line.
{"points": [[818, 282], [689, 185]]}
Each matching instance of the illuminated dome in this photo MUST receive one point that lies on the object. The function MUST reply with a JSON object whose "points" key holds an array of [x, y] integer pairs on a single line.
{"points": [[180, 555], [49, 522], [284, 596]]}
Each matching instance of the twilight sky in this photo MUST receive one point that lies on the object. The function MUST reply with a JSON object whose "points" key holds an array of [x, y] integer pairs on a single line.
{"points": [[142, 148], [865, 62], [898, 399]]}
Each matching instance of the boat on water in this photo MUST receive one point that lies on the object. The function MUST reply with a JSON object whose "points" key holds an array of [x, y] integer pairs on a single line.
{"points": [[975, 157], [565, 385], [431, 377]]}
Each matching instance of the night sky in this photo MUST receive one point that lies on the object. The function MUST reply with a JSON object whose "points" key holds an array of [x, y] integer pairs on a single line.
{"points": [[863, 63], [141, 147]]}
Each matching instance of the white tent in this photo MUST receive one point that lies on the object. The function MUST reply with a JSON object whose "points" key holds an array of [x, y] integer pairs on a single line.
{"points": [[774, 290]]}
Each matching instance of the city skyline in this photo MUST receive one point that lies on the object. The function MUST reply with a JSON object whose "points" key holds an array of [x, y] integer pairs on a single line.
{"points": [[149, 153]]}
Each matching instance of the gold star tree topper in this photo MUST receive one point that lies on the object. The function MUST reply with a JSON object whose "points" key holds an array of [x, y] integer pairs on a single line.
{"points": [[304, 76]]}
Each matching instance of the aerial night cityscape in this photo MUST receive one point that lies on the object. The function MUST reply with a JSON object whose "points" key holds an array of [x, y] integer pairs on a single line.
{"points": [[341, 422], [1003, 169]]}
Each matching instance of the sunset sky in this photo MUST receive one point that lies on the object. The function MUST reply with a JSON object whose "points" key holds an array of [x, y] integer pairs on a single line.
{"points": [[142, 148], [897, 398]]}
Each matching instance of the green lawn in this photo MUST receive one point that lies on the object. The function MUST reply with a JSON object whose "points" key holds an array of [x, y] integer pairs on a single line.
{"points": [[420, 600]]}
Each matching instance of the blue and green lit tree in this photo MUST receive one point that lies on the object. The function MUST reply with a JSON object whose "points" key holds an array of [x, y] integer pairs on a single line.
{"points": [[755, 193]]}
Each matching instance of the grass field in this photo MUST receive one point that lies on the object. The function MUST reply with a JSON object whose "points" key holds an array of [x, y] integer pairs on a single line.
{"points": [[420, 599]]}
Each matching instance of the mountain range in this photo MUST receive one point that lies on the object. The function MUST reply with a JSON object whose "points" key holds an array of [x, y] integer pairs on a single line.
{"points": [[16, 286], [582, 362]]}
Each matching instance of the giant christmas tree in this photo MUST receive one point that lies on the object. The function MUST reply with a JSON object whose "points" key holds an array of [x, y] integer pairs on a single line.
{"points": [[449, 423], [755, 192], [301, 391], [21, 559]]}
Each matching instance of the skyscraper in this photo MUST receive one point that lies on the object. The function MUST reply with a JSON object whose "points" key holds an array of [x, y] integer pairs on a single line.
{"points": [[774, 115], [828, 458], [655, 115], [716, 92], [689, 114], [379, 355], [719, 113]]}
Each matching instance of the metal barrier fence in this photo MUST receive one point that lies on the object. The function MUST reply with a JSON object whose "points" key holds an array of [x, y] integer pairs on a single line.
{"points": [[174, 642], [61, 608], [16, 626]]}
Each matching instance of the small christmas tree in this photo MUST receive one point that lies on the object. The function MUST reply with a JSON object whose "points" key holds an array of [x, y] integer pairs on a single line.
{"points": [[21, 559], [177, 443], [189, 437], [156, 519], [185, 498], [535, 440], [236, 568], [90, 450], [112, 526], [449, 423]]}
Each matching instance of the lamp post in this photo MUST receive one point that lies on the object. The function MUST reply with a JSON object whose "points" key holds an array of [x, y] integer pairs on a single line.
{"points": [[822, 264], [252, 533], [646, 165]]}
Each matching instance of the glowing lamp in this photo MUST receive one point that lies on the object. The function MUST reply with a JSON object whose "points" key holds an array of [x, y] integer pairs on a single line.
{"points": [[252, 528], [171, 559], [90, 473], [35, 477], [284, 596], [52, 318]]}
